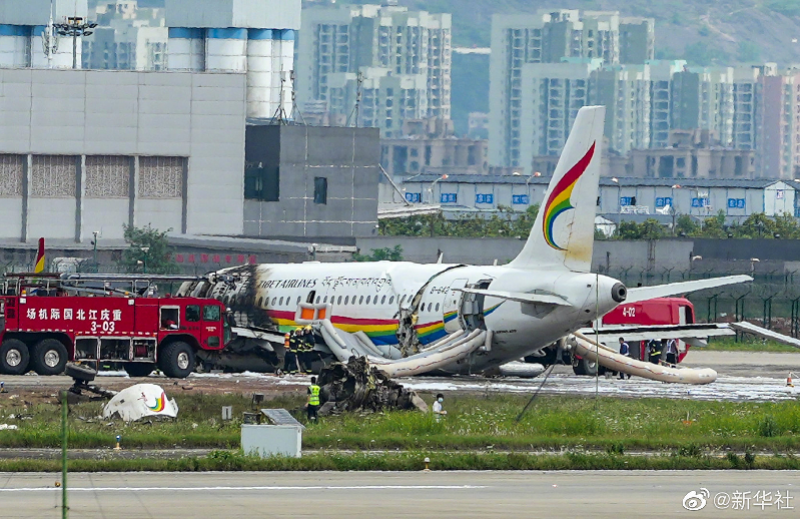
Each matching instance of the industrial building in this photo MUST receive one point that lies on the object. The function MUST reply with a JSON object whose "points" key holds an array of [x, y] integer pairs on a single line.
{"points": [[619, 198], [311, 182], [85, 152]]}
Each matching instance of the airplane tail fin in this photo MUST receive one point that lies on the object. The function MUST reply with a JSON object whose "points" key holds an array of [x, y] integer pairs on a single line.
{"points": [[563, 235], [39, 267]]}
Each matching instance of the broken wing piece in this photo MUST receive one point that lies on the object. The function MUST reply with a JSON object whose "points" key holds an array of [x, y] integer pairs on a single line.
{"points": [[140, 401], [520, 297], [345, 345], [644, 293]]}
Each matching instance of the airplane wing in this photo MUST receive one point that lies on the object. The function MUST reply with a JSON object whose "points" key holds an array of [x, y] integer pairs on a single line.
{"points": [[520, 297], [644, 293], [687, 332]]}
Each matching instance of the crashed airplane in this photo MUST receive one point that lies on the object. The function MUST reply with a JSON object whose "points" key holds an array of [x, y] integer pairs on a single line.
{"points": [[411, 319]]}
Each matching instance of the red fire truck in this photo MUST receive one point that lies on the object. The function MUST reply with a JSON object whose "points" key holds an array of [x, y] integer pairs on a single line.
{"points": [[668, 311], [45, 323]]}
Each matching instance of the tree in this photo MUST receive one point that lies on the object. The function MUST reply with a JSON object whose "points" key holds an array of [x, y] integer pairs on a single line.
{"points": [[757, 225], [686, 226], [385, 254], [148, 251], [714, 227], [504, 223]]}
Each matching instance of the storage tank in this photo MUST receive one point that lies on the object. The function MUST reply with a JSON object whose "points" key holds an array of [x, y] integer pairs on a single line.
{"points": [[260, 79], [186, 49], [226, 50], [15, 46]]}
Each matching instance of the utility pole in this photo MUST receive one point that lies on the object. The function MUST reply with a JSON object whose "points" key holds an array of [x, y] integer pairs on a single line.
{"points": [[75, 27], [94, 242], [64, 408]]}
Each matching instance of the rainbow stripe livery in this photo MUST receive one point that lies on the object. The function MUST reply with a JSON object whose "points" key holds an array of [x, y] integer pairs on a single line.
{"points": [[159, 405], [559, 201]]}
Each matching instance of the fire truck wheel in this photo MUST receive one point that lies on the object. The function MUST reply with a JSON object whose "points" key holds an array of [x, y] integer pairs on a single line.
{"points": [[139, 369], [14, 357], [584, 367], [49, 357], [177, 360]]}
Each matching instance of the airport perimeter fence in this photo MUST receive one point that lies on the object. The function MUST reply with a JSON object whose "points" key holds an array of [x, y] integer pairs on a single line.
{"points": [[772, 300]]}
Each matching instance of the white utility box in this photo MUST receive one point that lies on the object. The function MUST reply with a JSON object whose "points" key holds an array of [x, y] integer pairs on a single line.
{"points": [[283, 438]]}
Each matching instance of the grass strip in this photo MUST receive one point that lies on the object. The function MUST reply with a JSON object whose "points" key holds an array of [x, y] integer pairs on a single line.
{"points": [[474, 423], [226, 461], [747, 343]]}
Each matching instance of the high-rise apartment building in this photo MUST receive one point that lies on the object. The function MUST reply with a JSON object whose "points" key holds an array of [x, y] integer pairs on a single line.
{"points": [[778, 142], [386, 100], [550, 37], [386, 42], [625, 92], [703, 99], [128, 37], [662, 73], [553, 94]]}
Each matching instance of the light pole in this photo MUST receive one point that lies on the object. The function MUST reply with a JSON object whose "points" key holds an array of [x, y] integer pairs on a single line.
{"points": [[94, 243], [433, 184], [145, 250], [672, 206], [619, 200], [74, 27]]}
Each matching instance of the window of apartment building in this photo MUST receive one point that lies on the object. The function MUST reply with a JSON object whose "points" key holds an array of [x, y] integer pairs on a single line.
{"points": [[320, 190], [262, 184]]}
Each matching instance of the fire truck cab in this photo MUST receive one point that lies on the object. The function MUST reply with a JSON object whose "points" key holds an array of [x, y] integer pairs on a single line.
{"points": [[43, 325]]}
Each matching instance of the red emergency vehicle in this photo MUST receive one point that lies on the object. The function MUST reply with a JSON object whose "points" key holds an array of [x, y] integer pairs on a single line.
{"points": [[665, 311], [44, 324], [668, 311]]}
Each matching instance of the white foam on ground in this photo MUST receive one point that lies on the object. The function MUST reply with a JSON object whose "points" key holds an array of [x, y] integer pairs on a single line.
{"points": [[739, 389]]}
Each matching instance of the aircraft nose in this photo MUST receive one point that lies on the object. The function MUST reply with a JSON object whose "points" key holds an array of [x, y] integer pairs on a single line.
{"points": [[619, 293]]}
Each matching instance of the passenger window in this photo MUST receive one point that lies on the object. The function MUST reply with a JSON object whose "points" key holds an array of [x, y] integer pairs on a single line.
{"points": [[361, 300], [325, 301], [368, 299], [280, 302], [339, 301], [299, 299], [317, 301], [347, 300], [193, 313], [383, 300], [403, 299], [391, 300], [437, 307], [258, 303], [274, 301], [211, 313]]}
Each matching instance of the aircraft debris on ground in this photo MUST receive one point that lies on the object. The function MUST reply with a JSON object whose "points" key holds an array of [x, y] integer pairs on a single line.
{"points": [[356, 386]]}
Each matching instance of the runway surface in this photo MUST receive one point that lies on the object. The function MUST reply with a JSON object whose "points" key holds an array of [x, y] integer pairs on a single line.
{"points": [[456, 495]]}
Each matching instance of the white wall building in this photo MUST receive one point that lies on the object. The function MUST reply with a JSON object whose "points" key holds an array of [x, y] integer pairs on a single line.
{"points": [[84, 151]]}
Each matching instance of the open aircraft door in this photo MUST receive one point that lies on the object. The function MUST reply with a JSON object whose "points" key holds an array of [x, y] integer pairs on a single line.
{"points": [[451, 306]]}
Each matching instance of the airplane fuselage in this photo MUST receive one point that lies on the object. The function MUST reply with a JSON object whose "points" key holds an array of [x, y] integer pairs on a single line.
{"points": [[410, 306]]}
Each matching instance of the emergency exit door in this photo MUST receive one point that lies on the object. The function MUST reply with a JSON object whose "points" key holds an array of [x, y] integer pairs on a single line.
{"points": [[451, 306]]}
